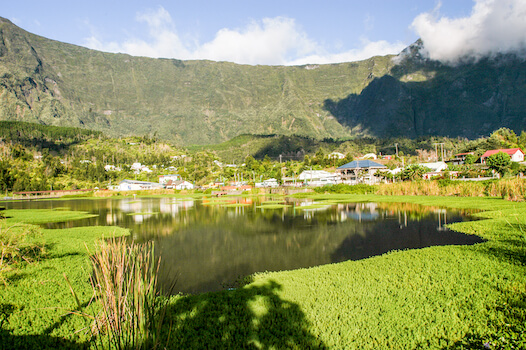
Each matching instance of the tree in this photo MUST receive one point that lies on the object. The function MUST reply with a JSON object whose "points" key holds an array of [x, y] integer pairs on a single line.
{"points": [[500, 162], [470, 159], [413, 172]]}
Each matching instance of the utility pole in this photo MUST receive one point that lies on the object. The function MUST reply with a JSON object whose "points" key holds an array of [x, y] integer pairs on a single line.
{"points": [[396, 146], [441, 150]]}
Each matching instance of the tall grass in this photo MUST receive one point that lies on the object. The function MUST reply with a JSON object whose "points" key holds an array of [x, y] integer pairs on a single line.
{"points": [[124, 280], [17, 244], [509, 189]]}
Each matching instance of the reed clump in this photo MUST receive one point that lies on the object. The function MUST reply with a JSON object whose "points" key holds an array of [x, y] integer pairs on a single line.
{"points": [[510, 189], [124, 281]]}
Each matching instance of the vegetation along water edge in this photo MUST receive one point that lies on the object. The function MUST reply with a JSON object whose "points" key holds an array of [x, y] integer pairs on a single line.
{"points": [[456, 297]]}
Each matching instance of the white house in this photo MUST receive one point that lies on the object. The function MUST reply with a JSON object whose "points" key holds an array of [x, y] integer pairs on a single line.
{"points": [[516, 154], [267, 183], [163, 179], [435, 167], [135, 185], [138, 167], [369, 156], [336, 155], [180, 185], [318, 177], [360, 171]]}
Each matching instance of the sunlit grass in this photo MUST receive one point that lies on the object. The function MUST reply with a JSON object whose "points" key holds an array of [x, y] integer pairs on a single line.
{"points": [[438, 297], [41, 216]]}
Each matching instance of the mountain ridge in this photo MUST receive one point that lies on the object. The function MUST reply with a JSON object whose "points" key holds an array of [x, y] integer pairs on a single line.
{"points": [[200, 102]]}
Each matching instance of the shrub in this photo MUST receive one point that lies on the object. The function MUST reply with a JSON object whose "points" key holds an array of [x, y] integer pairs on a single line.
{"points": [[124, 281], [18, 243]]}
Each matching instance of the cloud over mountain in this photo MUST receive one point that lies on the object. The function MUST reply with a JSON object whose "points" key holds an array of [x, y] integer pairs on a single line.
{"points": [[494, 26], [269, 41]]}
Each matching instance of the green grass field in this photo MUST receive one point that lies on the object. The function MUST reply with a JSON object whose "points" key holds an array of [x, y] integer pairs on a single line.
{"points": [[448, 297]]}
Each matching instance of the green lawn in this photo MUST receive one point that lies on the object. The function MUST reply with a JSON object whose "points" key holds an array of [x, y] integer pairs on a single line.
{"points": [[450, 297]]}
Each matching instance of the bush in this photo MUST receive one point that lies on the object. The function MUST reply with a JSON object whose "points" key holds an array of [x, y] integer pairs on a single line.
{"points": [[18, 243]]}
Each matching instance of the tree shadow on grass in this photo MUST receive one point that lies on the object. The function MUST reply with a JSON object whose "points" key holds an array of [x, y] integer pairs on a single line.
{"points": [[36, 341], [252, 317], [31, 341]]}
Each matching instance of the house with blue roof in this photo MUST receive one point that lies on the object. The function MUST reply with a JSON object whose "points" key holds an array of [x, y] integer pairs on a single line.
{"points": [[360, 171]]}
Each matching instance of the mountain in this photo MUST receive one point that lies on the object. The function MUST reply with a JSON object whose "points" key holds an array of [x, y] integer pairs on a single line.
{"points": [[202, 102], [422, 97]]}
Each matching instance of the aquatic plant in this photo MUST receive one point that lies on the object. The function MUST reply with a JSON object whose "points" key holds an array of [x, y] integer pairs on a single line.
{"points": [[124, 281]]}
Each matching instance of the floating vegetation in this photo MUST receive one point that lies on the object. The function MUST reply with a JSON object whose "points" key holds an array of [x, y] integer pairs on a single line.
{"points": [[314, 206], [273, 202], [237, 205], [144, 213], [273, 206]]}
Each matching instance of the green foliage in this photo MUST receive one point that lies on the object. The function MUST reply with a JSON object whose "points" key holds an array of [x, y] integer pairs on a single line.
{"points": [[413, 172], [500, 162], [42, 136], [35, 304], [470, 159]]}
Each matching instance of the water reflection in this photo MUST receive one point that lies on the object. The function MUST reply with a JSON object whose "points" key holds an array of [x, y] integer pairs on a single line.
{"points": [[209, 244]]}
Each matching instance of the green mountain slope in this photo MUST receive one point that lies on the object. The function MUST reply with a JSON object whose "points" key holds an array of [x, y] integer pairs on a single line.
{"points": [[202, 102], [192, 101], [421, 97]]}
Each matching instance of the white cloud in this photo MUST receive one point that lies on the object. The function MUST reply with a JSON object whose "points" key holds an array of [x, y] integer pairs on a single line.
{"points": [[270, 41], [368, 50], [273, 41], [494, 26], [164, 40]]}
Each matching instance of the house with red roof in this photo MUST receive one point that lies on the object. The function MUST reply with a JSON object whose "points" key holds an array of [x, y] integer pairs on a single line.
{"points": [[516, 154]]}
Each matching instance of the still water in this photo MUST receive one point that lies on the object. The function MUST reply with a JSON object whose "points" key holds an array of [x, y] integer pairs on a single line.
{"points": [[208, 245]]}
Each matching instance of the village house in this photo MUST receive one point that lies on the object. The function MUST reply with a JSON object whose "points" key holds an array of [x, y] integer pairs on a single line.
{"points": [[360, 171], [318, 178], [138, 167], [336, 155], [369, 156], [135, 185], [516, 154], [163, 179], [435, 169], [179, 185], [460, 158], [267, 183]]}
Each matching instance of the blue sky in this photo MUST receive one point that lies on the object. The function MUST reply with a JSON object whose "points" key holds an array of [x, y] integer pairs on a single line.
{"points": [[275, 32]]}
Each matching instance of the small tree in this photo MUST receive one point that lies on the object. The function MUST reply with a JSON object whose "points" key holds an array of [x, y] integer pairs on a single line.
{"points": [[470, 159], [500, 162], [413, 172]]}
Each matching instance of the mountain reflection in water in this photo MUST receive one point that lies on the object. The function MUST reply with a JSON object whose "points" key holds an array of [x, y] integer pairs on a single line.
{"points": [[210, 244]]}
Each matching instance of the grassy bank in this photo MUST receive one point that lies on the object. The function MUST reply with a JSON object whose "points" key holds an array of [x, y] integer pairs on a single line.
{"points": [[438, 297], [36, 302]]}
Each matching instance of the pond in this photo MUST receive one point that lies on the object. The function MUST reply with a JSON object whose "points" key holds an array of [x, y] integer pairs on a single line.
{"points": [[210, 244]]}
